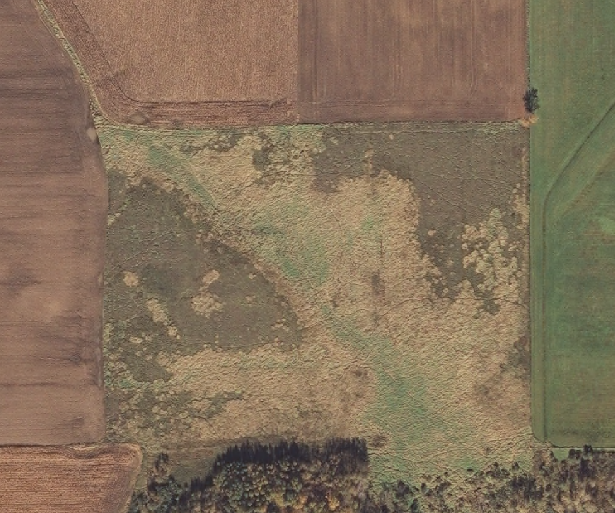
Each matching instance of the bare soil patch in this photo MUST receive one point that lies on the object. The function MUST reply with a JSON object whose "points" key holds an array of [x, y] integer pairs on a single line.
{"points": [[52, 222], [440, 60], [66, 480]]}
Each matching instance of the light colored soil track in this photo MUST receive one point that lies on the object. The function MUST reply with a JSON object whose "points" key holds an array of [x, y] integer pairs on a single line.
{"points": [[52, 222], [67, 480]]}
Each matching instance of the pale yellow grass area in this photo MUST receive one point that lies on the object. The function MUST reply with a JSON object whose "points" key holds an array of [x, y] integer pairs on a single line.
{"points": [[425, 376]]}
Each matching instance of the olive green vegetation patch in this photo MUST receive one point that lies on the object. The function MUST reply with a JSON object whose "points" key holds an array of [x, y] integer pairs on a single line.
{"points": [[173, 261], [572, 50]]}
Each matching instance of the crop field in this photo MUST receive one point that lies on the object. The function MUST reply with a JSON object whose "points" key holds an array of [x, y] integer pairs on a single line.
{"points": [[316, 281], [265, 62], [67, 479], [220, 62], [53, 198], [442, 60], [572, 230]]}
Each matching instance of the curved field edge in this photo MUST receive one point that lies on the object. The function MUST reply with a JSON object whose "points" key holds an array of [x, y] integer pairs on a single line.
{"points": [[112, 99]]}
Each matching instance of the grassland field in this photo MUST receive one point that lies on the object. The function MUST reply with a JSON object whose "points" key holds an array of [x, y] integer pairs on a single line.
{"points": [[572, 46], [317, 281]]}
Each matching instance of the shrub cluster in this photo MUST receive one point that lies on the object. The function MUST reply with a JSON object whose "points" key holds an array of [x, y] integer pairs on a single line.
{"points": [[293, 477], [253, 477], [584, 482], [530, 99]]}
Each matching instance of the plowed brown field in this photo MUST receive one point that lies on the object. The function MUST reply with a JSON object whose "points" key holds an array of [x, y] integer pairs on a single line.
{"points": [[52, 227], [441, 60], [227, 62], [67, 480]]}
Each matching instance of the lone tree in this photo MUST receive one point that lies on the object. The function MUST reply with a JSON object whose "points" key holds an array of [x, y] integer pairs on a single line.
{"points": [[531, 100]]}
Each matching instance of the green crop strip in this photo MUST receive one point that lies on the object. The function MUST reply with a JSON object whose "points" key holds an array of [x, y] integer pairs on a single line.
{"points": [[572, 56]]}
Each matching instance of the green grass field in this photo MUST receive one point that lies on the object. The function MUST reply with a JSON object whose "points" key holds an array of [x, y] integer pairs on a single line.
{"points": [[572, 221]]}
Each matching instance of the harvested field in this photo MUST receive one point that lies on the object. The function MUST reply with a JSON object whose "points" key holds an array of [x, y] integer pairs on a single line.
{"points": [[381, 271], [215, 62], [288, 61], [370, 60], [573, 226], [66, 479], [52, 222]]}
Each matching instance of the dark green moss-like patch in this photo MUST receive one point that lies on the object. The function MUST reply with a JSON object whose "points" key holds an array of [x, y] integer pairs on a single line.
{"points": [[224, 142]]}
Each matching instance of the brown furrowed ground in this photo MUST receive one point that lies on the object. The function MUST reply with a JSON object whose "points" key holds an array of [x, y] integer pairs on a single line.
{"points": [[215, 62], [287, 61], [441, 60], [67, 480], [52, 225]]}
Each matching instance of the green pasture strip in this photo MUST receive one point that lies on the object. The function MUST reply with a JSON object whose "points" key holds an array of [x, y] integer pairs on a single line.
{"points": [[572, 227]]}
